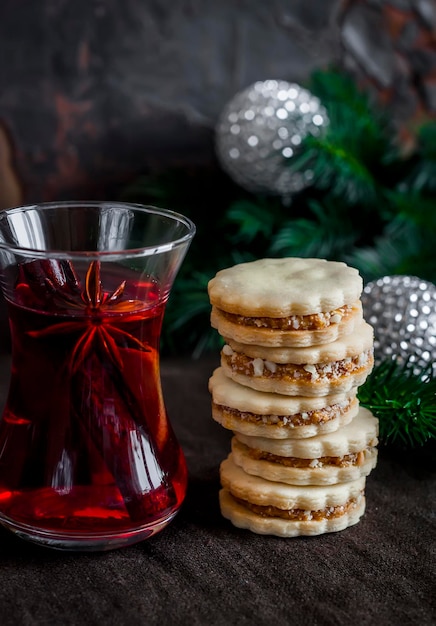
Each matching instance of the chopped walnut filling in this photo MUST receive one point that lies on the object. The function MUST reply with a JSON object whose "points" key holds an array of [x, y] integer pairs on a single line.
{"points": [[301, 515], [249, 366], [357, 458], [316, 321], [318, 416]]}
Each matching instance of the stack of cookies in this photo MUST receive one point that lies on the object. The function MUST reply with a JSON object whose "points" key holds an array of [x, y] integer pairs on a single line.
{"points": [[296, 350]]}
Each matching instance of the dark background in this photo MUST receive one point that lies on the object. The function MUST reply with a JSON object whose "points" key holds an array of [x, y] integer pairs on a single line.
{"points": [[95, 92]]}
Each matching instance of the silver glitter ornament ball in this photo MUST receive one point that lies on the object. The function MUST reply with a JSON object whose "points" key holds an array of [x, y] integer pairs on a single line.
{"points": [[402, 311], [261, 129]]}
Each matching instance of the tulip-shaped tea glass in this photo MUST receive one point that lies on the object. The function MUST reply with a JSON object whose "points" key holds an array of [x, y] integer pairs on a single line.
{"points": [[88, 458]]}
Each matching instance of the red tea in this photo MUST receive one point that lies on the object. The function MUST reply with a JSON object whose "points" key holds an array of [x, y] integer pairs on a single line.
{"points": [[86, 448]]}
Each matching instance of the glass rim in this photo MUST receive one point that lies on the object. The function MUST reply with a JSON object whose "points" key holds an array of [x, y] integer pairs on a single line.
{"points": [[142, 251]]}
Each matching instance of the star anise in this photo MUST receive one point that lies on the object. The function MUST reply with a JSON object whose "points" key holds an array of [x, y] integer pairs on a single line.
{"points": [[94, 326]]}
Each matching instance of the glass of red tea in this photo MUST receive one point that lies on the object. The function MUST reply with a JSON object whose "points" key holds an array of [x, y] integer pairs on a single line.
{"points": [[88, 457]]}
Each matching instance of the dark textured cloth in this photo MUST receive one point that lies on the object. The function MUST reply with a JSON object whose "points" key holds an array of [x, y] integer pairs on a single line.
{"points": [[202, 570]]}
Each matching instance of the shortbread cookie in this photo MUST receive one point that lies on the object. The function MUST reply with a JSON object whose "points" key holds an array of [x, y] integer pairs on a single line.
{"points": [[321, 327], [336, 367], [274, 508], [286, 302], [245, 410], [341, 456], [243, 517]]}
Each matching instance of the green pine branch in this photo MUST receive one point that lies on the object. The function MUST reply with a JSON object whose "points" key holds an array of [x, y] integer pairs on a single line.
{"points": [[336, 169], [355, 120], [252, 219], [350, 158], [406, 244], [187, 316], [325, 232], [404, 401]]}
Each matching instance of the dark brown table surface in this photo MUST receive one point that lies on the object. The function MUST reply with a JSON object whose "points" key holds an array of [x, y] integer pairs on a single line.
{"points": [[202, 570]]}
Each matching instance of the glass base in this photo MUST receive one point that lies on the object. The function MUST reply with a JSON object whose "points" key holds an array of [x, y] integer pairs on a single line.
{"points": [[86, 542]]}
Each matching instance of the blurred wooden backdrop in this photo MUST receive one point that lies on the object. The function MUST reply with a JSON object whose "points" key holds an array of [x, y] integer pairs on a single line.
{"points": [[95, 92]]}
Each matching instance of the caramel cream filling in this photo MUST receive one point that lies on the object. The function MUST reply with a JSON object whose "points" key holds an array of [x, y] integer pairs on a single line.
{"points": [[300, 515], [318, 416], [308, 372], [354, 459], [315, 321]]}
